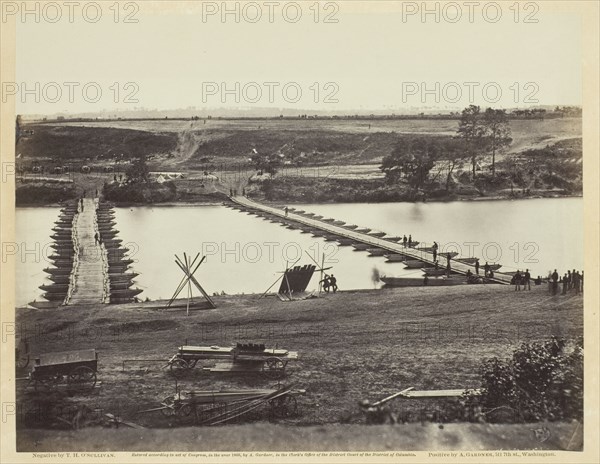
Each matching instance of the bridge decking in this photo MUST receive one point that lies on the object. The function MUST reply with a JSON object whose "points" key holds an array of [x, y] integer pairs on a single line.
{"points": [[392, 247], [89, 282]]}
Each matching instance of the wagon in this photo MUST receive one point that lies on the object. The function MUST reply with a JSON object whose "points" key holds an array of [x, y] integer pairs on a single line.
{"points": [[220, 406], [76, 369], [240, 358]]}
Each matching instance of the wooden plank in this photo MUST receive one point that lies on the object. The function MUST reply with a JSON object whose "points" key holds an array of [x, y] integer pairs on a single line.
{"points": [[118, 420], [229, 367], [440, 393], [67, 357]]}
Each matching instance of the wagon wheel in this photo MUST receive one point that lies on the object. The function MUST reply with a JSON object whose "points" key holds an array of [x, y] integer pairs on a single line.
{"points": [[185, 410], [179, 365], [22, 354], [171, 406], [42, 384], [210, 413], [82, 378], [274, 368], [284, 406], [23, 360]]}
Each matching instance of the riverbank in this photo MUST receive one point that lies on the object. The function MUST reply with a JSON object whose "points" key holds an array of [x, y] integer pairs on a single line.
{"points": [[40, 198], [352, 346], [296, 189]]}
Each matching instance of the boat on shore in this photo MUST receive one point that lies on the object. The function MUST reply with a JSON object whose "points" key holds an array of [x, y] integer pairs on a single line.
{"points": [[361, 246], [395, 257]]}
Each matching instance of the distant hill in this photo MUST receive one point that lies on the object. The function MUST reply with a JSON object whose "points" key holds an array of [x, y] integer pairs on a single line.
{"points": [[185, 144]]}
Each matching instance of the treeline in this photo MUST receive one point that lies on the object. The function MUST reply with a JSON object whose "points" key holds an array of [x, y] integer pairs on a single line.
{"points": [[479, 133]]}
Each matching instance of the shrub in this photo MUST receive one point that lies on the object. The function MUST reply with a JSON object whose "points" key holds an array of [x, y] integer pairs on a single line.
{"points": [[542, 381], [140, 192], [43, 194]]}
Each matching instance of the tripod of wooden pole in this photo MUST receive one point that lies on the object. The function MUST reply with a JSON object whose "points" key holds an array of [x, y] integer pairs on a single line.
{"points": [[189, 268], [185, 280], [193, 280]]}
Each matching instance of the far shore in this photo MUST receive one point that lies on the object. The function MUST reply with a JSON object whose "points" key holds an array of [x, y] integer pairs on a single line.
{"points": [[194, 203]]}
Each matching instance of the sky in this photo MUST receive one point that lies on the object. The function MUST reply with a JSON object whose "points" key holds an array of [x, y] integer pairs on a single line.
{"points": [[380, 56]]}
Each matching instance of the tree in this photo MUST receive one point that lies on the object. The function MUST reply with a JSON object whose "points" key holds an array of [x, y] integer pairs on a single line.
{"points": [[412, 159], [453, 151], [497, 132], [472, 130], [267, 164], [138, 170]]}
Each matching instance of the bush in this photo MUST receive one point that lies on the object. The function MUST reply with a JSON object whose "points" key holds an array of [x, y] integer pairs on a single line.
{"points": [[140, 192], [541, 382], [43, 194]]}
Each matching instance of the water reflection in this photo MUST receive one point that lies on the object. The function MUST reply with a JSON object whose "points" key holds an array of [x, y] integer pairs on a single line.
{"points": [[246, 254]]}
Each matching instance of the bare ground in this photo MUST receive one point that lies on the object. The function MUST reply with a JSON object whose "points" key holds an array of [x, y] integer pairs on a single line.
{"points": [[272, 437], [352, 345]]}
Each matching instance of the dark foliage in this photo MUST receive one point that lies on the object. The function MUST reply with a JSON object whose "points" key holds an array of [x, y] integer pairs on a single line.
{"points": [[34, 194], [140, 192], [542, 381]]}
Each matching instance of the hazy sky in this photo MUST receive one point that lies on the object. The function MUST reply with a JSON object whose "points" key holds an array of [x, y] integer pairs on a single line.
{"points": [[378, 57]]}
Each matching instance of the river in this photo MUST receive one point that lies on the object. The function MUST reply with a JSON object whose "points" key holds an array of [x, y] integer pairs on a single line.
{"points": [[246, 254]]}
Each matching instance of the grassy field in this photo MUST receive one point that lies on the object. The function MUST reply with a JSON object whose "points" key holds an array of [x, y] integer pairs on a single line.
{"points": [[352, 345], [190, 144]]}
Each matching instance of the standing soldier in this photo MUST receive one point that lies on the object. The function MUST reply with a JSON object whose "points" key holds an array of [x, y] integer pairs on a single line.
{"points": [[477, 266], [554, 282], [527, 280], [333, 283]]}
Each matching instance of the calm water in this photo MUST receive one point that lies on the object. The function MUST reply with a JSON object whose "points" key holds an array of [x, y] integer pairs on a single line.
{"points": [[246, 254]]}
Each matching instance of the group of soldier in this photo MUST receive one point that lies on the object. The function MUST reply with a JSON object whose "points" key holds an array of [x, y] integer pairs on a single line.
{"points": [[329, 282], [570, 281], [523, 279]]}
